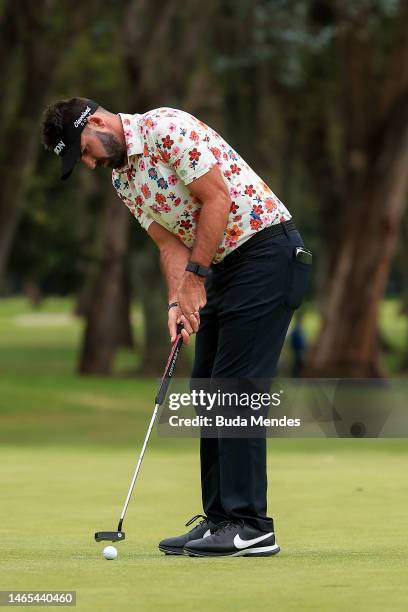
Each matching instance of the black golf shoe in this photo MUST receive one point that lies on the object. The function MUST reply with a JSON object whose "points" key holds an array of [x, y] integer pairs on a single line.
{"points": [[234, 539], [174, 546]]}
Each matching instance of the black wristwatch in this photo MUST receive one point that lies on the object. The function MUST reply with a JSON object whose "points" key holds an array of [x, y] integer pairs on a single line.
{"points": [[195, 268]]}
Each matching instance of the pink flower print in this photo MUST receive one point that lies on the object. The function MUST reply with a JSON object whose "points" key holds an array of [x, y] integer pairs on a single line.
{"points": [[128, 134], [142, 165], [172, 179], [175, 151], [194, 136], [234, 192], [172, 127]]}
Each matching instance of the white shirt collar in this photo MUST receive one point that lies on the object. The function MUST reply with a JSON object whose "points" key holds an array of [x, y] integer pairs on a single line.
{"points": [[131, 130]]}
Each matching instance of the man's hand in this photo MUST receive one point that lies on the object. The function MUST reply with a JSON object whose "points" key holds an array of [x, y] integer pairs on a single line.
{"points": [[190, 297], [173, 318], [189, 327]]}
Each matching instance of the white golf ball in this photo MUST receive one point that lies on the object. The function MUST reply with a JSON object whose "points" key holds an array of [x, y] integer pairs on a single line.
{"points": [[110, 552]]}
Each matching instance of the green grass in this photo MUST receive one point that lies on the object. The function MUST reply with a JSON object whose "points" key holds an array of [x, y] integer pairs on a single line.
{"points": [[68, 446], [342, 530]]}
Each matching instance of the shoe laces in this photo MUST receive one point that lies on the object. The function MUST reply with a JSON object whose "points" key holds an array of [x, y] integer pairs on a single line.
{"points": [[195, 518], [226, 525]]}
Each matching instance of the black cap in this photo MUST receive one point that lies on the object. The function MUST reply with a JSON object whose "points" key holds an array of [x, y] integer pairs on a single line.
{"points": [[69, 145]]}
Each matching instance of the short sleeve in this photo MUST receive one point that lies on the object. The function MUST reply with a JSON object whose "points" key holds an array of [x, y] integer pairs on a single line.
{"points": [[182, 143], [143, 218]]}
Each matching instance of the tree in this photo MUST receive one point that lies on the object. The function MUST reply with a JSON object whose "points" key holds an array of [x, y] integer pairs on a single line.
{"points": [[30, 30], [364, 186], [109, 302]]}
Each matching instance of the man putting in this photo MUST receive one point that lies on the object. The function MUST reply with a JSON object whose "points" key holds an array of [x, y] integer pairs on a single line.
{"points": [[229, 253]]}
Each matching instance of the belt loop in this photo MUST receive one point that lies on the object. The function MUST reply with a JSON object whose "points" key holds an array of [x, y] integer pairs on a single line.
{"points": [[285, 229]]}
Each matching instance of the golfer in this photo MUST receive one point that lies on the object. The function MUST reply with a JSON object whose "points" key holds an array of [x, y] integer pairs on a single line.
{"points": [[229, 252]]}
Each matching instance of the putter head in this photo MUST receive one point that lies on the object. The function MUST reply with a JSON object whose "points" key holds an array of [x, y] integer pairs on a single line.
{"points": [[109, 536]]}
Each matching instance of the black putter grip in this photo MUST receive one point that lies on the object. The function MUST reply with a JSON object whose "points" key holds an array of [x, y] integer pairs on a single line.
{"points": [[170, 366]]}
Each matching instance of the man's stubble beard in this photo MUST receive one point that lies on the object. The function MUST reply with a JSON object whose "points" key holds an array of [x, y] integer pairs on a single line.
{"points": [[115, 151]]}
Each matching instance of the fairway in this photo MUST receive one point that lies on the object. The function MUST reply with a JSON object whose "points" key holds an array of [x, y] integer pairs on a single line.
{"points": [[340, 518]]}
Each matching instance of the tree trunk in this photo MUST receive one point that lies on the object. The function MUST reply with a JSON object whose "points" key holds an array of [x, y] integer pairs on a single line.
{"points": [[372, 184], [350, 349], [104, 327], [9, 40], [125, 331]]}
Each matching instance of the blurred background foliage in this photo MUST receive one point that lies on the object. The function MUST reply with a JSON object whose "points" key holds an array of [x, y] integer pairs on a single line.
{"points": [[313, 94]]}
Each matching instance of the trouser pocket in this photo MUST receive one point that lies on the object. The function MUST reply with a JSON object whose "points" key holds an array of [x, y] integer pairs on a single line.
{"points": [[300, 268]]}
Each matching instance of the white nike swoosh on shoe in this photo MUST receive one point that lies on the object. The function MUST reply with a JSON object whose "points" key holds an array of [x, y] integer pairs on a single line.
{"points": [[238, 543], [207, 533]]}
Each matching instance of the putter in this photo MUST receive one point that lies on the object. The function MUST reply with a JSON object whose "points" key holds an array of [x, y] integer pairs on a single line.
{"points": [[119, 535]]}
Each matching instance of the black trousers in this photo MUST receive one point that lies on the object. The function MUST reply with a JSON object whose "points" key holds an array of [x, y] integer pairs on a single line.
{"points": [[242, 330]]}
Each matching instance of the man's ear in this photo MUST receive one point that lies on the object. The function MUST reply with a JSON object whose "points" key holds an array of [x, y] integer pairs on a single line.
{"points": [[95, 122]]}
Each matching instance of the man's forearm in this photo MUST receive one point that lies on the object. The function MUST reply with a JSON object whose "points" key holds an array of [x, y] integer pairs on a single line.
{"points": [[210, 229], [173, 261]]}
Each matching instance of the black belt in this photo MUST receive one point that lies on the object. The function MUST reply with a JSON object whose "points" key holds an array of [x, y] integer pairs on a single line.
{"points": [[267, 232]]}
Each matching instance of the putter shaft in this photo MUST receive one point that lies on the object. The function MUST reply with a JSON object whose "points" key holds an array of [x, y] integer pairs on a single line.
{"points": [[160, 397], [139, 463]]}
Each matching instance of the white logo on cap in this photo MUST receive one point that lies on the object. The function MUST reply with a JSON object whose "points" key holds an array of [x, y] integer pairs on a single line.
{"points": [[59, 147], [81, 117]]}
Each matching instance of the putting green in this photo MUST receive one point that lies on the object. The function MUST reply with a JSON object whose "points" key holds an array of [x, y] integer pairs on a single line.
{"points": [[339, 506]]}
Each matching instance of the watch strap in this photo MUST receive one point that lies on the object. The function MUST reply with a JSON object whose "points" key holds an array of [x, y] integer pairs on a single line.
{"points": [[197, 269]]}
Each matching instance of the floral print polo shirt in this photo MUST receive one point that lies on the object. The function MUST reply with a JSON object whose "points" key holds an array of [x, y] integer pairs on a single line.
{"points": [[168, 149]]}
